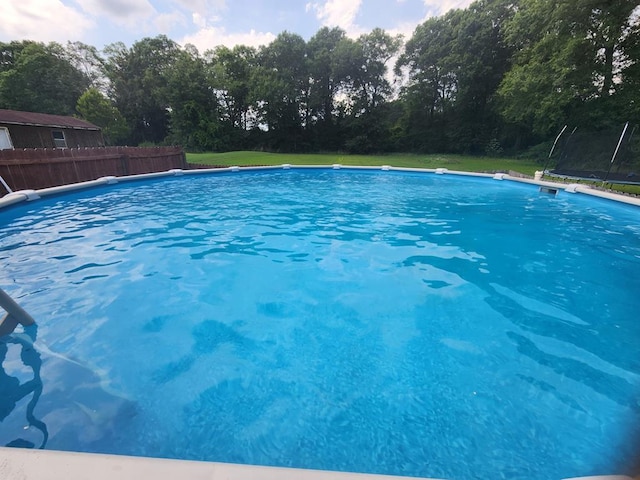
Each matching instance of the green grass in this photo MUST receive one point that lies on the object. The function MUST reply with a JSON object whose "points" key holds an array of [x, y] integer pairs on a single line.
{"points": [[632, 189], [452, 162]]}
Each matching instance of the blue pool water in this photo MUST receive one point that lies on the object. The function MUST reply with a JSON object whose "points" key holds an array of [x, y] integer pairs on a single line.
{"points": [[408, 324]]}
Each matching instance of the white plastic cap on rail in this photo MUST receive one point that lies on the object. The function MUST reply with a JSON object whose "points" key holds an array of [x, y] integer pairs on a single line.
{"points": [[29, 194], [573, 187], [109, 180]]}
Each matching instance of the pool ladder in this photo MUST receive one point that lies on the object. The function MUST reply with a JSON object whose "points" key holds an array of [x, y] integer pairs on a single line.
{"points": [[5, 185], [15, 315]]}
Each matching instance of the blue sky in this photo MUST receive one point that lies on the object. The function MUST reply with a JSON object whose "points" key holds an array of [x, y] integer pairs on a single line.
{"points": [[207, 23]]}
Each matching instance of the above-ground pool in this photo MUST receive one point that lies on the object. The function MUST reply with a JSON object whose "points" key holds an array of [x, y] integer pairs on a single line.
{"points": [[381, 322]]}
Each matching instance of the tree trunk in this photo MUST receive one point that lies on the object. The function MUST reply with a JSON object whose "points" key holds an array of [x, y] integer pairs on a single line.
{"points": [[608, 70]]}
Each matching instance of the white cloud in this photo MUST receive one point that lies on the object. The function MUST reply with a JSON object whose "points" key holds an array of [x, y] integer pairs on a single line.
{"points": [[122, 12], [440, 7], [34, 20], [166, 22], [338, 13], [211, 37], [433, 8], [202, 22], [203, 12], [405, 29], [203, 7], [199, 20]]}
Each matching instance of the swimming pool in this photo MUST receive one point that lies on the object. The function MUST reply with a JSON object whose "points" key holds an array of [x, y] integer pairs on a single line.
{"points": [[400, 323]]}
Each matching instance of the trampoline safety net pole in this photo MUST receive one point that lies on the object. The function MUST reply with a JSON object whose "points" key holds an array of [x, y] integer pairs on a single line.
{"points": [[553, 147], [615, 152]]}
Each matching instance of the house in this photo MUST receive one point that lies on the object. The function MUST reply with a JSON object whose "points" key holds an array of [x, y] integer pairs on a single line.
{"points": [[41, 130]]}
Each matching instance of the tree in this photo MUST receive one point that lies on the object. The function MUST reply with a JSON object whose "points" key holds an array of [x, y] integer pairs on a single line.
{"points": [[39, 78], [138, 85], [368, 89], [498, 75], [431, 89], [370, 85], [454, 65], [87, 60], [327, 73], [280, 89], [230, 71], [94, 107], [572, 57], [194, 109]]}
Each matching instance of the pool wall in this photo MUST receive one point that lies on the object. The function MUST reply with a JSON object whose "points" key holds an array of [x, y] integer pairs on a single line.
{"points": [[28, 195], [51, 465], [21, 464]]}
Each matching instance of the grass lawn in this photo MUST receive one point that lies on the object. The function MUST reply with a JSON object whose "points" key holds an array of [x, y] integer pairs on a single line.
{"points": [[452, 162]]}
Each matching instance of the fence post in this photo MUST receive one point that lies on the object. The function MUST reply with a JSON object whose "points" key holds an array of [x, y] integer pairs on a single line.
{"points": [[124, 160]]}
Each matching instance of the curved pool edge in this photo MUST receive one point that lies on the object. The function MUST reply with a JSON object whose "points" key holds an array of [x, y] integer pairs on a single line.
{"points": [[29, 195], [21, 464]]}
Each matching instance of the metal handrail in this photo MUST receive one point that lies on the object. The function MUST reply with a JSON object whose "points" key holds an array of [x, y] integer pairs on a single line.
{"points": [[15, 315], [5, 185]]}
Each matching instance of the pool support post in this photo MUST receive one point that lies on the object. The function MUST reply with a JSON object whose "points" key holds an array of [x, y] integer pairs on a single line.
{"points": [[15, 315]]}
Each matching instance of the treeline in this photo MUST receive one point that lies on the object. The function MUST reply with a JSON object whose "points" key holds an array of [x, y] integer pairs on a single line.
{"points": [[498, 77]]}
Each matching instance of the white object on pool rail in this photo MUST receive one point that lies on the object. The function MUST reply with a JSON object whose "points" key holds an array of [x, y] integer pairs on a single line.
{"points": [[109, 180], [440, 171], [29, 194], [573, 188]]}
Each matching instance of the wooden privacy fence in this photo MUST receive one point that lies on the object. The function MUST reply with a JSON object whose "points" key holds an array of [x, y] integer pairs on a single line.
{"points": [[46, 167]]}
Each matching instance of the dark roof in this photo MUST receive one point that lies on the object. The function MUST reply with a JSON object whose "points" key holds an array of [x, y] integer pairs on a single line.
{"points": [[44, 120]]}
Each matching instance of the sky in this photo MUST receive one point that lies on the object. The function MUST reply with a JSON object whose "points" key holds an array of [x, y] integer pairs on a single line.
{"points": [[207, 23]]}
